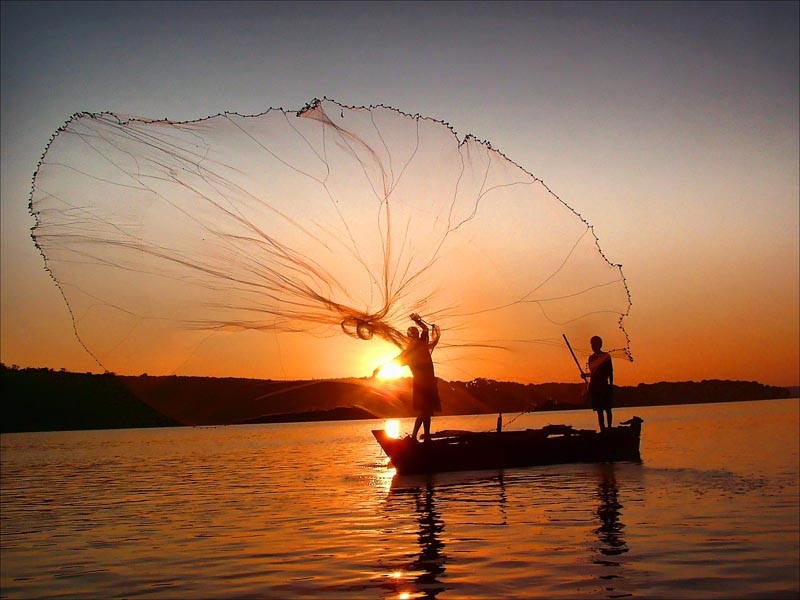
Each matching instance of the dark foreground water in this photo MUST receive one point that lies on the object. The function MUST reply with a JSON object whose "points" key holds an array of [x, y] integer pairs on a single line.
{"points": [[311, 510]]}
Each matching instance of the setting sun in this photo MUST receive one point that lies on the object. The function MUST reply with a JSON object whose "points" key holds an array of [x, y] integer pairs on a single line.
{"points": [[392, 370]]}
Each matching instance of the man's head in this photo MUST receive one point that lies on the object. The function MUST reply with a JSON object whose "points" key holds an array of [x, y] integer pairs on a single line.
{"points": [[413, 333], [596, 342]]}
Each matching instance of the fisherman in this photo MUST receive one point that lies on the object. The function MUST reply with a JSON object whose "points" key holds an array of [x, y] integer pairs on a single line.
{"points": [[600, 388], [417, 355]]}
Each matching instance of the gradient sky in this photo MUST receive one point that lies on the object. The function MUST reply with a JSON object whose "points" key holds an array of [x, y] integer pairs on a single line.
{"points": [[671, 127]]}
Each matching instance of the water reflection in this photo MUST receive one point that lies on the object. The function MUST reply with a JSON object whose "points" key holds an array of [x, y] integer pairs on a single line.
{"points": [[421, 578], [503, 499], [424, 575], [430, 562], [610, 532]]}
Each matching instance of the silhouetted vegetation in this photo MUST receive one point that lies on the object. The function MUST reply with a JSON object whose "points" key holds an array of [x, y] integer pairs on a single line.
{"points": [[501, 396], [46, 400], [43, 399]]}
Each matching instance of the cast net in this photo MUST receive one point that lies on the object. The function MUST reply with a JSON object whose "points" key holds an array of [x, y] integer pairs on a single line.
{"points": [[178, 245]]}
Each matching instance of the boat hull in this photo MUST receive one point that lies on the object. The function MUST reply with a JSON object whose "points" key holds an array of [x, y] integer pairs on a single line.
{"points": [[472, 451]]}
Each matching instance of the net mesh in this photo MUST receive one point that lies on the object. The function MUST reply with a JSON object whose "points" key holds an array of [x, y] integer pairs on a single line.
{"points": [[327, 222]]}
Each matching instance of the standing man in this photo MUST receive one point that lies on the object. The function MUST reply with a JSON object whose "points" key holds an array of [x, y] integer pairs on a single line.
{"points": [[417, 355], [601, 381]]}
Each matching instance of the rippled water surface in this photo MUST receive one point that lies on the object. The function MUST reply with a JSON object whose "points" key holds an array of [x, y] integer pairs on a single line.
{"points": [[311, 510]]}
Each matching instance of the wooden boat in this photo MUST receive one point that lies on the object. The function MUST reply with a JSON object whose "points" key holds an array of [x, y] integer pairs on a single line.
{"points": [[473, 451]]}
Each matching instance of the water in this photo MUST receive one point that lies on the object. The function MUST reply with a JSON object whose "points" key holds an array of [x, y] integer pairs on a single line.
{"points": [[311, 510]]}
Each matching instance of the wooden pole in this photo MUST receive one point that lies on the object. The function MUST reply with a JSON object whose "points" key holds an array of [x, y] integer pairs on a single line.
{"points": [[575, 358]]}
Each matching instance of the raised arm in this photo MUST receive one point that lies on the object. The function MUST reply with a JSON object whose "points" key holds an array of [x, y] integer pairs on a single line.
{"points": [[400, 359], [436, 333], [432, 336]]}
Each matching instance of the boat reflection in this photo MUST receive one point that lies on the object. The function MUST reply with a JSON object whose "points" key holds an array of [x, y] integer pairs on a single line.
{"points": [[536, 507], [610, 536]]}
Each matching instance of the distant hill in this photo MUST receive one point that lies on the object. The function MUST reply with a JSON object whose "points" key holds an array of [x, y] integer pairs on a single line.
{"points": [[213, 401], [340, 413], [43, 399]]}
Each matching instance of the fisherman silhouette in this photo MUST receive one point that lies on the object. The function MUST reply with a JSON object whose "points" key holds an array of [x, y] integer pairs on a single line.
{"points": [[601, 381], [417, 355]]}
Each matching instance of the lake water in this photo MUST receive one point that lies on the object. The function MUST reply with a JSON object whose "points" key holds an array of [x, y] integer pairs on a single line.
{"points": [[311, 510]]}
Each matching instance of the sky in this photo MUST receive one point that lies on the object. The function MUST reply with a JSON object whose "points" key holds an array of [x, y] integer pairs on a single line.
{"points": [[671, 127]]}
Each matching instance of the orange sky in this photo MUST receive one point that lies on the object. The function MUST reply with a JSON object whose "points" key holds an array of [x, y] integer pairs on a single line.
{"points": [[681, 151]]}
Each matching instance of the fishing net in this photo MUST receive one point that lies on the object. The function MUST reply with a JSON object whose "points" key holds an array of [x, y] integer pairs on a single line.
{"points": [[178, 245]]}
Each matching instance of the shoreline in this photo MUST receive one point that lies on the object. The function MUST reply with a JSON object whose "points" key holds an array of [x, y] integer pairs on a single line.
{"points": [[46, 400]]}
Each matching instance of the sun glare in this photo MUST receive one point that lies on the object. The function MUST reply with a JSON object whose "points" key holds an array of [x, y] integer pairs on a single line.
{"points": [[391, 371], [392, 428]]}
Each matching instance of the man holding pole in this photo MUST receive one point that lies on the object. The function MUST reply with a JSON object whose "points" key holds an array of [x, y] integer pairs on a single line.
{"points": [[601, 381], [600, 387]]}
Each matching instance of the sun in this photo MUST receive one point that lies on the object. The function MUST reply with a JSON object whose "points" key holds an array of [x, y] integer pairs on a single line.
{"points": [[391, 370], [382, 355]]}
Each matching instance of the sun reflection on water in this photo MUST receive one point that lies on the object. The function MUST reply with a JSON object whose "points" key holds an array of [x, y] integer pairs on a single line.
{"points": [[392, 428]]}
